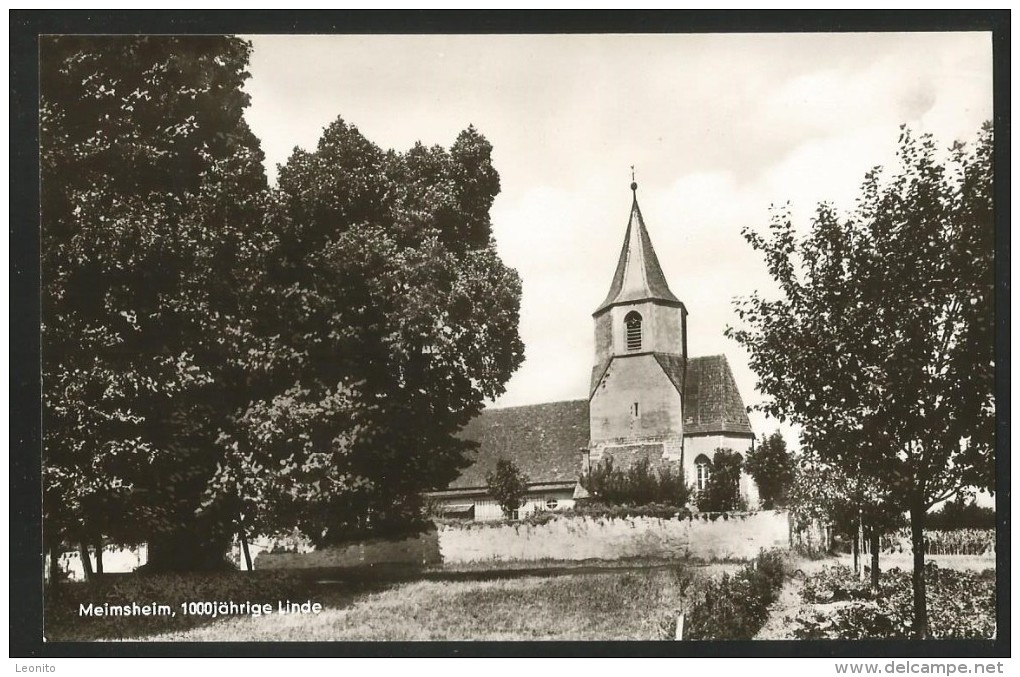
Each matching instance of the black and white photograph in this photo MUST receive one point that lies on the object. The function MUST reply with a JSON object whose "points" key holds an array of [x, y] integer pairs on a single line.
{"points": [[675, 337]]}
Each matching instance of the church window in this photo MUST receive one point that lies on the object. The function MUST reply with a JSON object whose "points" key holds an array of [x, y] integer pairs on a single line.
{"points": [[635, 411], [703, 470], [552, 504], [633, 326]]}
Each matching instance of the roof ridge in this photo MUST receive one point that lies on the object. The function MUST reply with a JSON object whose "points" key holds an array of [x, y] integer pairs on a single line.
{"points": [[534, 404]]}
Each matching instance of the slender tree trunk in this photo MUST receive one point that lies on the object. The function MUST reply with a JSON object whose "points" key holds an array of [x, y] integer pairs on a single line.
{"points": [[917, 514], [86, 561], [875, 545], [860, 539], [54, 564], [99, 556], [53, 546], [244, 546], [857, 554]]}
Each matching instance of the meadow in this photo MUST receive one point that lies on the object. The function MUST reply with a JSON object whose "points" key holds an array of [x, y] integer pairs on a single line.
{"points": [[594, 601]]}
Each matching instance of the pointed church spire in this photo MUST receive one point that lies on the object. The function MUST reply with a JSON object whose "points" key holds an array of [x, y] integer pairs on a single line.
{"points": [[638, 273]]}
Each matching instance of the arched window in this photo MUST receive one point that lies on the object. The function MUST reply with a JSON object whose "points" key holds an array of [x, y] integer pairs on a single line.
{"points": [[703, 470], [633, 324]]}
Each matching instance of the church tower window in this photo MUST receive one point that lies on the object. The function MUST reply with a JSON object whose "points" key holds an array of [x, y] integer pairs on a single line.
{"points": [[633, 325]]}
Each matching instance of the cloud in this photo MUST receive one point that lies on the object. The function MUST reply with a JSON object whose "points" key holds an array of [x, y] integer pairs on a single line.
{"points": [[719, 128]]}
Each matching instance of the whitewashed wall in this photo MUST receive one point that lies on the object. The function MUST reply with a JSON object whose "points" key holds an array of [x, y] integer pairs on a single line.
{"points": [[487, 510], [116, 559], [580, 538]]}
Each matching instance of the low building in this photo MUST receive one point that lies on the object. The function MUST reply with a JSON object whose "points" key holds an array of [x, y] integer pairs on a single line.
{"points": [[546, 441]]}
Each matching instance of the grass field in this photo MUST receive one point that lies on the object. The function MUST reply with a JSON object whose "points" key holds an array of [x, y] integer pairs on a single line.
{"points": [[631, 600], [575, 603], [612, 605]]}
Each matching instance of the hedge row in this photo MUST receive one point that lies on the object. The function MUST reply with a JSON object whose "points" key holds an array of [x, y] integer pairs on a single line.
{"points": [[737, 606]]}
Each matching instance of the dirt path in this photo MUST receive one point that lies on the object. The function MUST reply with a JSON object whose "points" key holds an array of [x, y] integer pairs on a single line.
{"points": [[789, 603], [783, 611]]}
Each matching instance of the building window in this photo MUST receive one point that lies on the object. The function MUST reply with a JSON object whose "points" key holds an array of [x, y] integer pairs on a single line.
{"points": [[633, 325], [552, 504], [635, 410], [703, 470]]}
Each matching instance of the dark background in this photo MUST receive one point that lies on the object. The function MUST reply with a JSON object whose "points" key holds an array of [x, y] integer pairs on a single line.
{"points": [[26, 561]]}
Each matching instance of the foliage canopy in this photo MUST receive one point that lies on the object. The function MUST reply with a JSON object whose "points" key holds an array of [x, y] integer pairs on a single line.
{"points": [[881, 343], [221, 356], [773, 468], [508, 485]]}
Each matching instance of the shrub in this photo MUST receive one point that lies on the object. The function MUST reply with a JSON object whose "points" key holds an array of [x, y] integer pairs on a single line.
{"points": [[961, 605], [773, 468], [659, 510], [722, 493], [736, 607], [639, 484], [961, 514], [834, 584], [585, 509], [936, 542], [508, 485]]}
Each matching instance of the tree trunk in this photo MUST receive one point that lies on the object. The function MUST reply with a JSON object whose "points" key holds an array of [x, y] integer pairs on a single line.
{"points": [[99, 556], [54, 564], [53, 546], [86, 561], [917, 514], [857, 554], [875, 545], [860, 539], [244, 545]]}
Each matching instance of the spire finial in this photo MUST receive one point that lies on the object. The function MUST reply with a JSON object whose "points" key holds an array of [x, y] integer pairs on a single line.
{"points": [[633, 183]]}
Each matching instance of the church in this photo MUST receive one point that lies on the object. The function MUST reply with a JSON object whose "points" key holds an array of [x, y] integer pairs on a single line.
{"points": [[647, 399]]}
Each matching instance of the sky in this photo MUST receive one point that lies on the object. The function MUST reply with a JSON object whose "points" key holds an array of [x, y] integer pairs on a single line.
{"points": [[718, 127]]}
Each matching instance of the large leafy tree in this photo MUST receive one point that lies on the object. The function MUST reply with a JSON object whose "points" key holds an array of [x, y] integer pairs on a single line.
{"points": [[152, 202], [395, 318], [881, 343]]}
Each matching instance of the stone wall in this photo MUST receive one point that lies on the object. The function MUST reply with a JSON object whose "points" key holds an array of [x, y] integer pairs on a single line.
{"points": [[418, 550], [580, 538], [567, 537], [116, 559]]}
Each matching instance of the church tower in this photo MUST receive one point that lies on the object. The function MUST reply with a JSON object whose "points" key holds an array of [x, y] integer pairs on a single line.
{"points": [[636, 407]]}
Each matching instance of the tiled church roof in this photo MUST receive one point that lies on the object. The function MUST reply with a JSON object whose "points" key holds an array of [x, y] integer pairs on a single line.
{"points": [[638, 273], [675, 367], [544, 440], [597, 372], [712, 402]]}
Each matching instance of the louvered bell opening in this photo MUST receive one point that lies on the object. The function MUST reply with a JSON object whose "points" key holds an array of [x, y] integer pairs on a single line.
{"points": [[633, 322]]}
